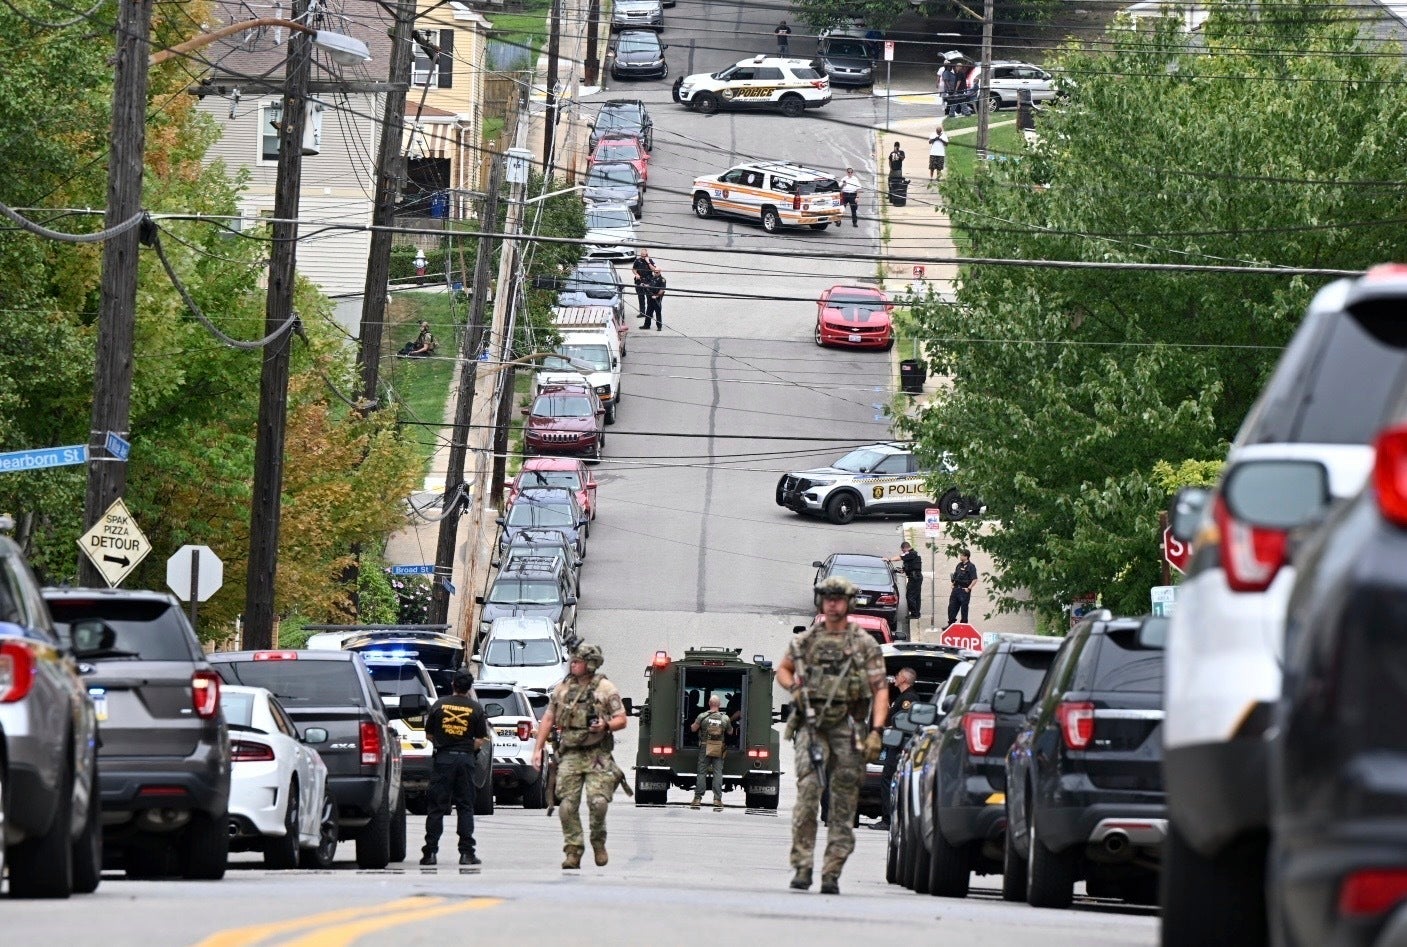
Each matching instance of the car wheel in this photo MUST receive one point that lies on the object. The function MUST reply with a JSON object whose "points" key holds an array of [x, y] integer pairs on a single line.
{"points": [[1050, 876], [949, 873], [906, 861], [42, 867], [398, 832], [535, 796], [891, 850], [703, 207], [88, 847], [841, 508], [595, 455], [326, 850], [888, 345], [953, 505], [205, 847], [483, 801], [705, 103], [374, 839], [674, 90], [611, 413], [994, 102], [818, 334], [1213, 900], [282, 852], [771, 220], [664, 74], [780, 484], [793, 105], [923, 870], [1013, 868]]}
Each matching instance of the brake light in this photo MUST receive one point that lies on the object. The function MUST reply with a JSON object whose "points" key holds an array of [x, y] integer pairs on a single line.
{"points": [[796, 202], [1372, 891], [819, 83], [1390, 474], [1251, 555], [162, 791], [371, 744], [1076, 723], [525, 730], [758, 753], [248, 751], [205, 694], [887, 599], [275, 655], [980, 729], [662, 750], [16, 671]]}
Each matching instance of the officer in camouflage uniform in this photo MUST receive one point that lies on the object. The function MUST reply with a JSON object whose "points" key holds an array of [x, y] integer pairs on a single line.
{"points": [[587, 709], [712, 726], [835, 672]]}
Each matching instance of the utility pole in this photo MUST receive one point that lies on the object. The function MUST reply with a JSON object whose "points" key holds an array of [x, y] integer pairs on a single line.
{"points": [[453, 503], [504, 305], [273, 378], [117, 308], [984, 104], [554, 49], [383, 214], [592, 66]]}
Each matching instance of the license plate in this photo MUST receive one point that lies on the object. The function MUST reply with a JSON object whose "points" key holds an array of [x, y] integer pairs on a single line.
{"points": [[863, 599], [855, 337], [99, 705], [651, 787], [506, 732], [768, 790]]}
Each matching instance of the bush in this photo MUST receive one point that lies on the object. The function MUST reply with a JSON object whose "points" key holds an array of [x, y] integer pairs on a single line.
{"points": [[413, 593], [377, 603]]}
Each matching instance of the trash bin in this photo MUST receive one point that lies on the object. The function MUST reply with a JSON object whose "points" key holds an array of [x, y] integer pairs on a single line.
{"points": [[912, 375], [898, 191]]}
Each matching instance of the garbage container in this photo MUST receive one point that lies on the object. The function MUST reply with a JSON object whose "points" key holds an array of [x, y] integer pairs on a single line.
{"points": [[912, 375], [898, 191]]}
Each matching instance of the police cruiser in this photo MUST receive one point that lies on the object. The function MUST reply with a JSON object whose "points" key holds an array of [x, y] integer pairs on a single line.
{"points": [[879, 478], [789, 85]]}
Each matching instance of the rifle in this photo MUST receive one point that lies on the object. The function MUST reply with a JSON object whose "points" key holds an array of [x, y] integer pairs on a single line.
{"points": [[813, 743], [551, 777]]}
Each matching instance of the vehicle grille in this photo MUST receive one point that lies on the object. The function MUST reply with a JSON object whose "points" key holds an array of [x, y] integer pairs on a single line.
{"points": [[556, 437], [797, 484]]}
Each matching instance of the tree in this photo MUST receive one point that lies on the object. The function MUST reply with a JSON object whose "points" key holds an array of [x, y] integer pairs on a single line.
{"points": [[1070, 386]]}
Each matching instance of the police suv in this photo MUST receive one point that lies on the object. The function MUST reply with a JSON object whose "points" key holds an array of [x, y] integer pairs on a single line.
{"points": [[790, 85], [880, 478], [777, 194]]}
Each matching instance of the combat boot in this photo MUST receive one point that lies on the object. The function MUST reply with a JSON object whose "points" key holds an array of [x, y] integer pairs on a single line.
{"points": [[573, 859], [801, 881], [830, 885], [717, 805], [698, 801], [599, 849]]}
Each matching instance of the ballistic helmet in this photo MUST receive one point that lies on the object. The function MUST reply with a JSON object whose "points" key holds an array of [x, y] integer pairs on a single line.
{"points": [[591, 654], [836, 587]]}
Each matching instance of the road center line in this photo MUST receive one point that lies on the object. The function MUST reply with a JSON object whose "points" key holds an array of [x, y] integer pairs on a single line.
{"points": [[254, 933], [343, 935]]}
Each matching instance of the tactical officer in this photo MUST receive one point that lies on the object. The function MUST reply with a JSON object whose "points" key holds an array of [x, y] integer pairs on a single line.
{"points": [[912, 564], [588, 710], [835, 672], [900, 701], [964, 578], [457, 726], [712, 726]]}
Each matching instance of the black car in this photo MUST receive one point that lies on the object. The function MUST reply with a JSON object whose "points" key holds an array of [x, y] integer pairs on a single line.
{"points": [[1338, 863], [542, 588], [847, 61], [592, 283], [1084, 781], [639, 54], [623, 117], [961, 819], [333, 690], [879, 592], [545, 509], [164, 751], [441, 653]]}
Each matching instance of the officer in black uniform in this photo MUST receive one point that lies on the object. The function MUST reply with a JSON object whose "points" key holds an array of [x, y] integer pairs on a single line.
{"points": [[642, 268], [912, 564], [903, 698], [964, 577], [457, 726]]}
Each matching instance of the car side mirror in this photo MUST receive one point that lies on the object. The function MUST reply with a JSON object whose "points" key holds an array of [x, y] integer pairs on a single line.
{"points": [[1007, 702], [1276, 494], [904, 723], [923, 715], [615, 363], [477, 658], [92, 635], [500, 521], [410, 705], [784, 714], [629, 706], [314, 736], [478, 600], [816, 564], [947, 703], [1185, 511], [893, 738], [569, 600]]}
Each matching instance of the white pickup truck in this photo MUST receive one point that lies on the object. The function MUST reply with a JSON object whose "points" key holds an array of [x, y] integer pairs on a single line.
{"points": [[593, 354], [585, 318]]}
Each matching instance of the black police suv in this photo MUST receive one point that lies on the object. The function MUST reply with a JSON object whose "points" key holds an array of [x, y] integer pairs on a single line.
{"points": [[961, 794], [1084, 782]]}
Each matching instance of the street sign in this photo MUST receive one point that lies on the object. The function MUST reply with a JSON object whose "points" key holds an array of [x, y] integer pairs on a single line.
{"points": [[117, 447], [918, 272], [209, 572], [933, 522], [413, 570], [1177, 552], [961, 635], [889, 50], [1164, 599], [42, 458], [115, 544]]}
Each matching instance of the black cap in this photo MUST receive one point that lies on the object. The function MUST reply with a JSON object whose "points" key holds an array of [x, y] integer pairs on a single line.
{"points": [[462, 681]]}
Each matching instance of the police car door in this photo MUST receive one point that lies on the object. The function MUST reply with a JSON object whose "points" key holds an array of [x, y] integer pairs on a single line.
{"points": [[729, 194], [766, 84], [896, 487], [740, 85]]}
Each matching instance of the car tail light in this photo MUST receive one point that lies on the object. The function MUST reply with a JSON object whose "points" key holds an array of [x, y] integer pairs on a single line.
{"points": [[1372, 891], [887, 598], [1076, 723], [980, 729], [205, 694], [371, 744], [248, 751], [796, 202], [16, 671], [1390, 474], [162, 791], [275, 655], [662, 750], [819, 83], [525, 730], [759, 753], [1251, 555]]}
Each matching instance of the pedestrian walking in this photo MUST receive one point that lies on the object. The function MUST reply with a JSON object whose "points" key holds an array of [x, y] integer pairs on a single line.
{"points": [[654, 299], [937, 153], [457, 727], [713, 727], [783, 37], [835, 673], [587, 710], [903, 698], [912, 564], [964, 578], [850, 195], [896, 162], [641, 268]]}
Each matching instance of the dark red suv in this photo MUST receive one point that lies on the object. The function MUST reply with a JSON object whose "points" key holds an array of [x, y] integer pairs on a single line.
{"points": [[563, 422]]}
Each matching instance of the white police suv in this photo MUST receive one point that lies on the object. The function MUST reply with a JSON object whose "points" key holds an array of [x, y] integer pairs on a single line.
{"points": [[790, 85], [879, 478]]}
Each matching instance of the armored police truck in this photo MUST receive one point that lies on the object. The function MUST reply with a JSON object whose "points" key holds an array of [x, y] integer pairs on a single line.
{"points": [[679, 690]]}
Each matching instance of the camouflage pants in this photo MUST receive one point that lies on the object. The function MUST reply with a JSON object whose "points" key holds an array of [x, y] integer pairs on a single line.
{"points": [[586, 770], [845, 768]]}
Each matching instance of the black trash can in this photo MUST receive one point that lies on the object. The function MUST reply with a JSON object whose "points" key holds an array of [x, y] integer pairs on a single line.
{"points": [[898, 191], [912, 375]]}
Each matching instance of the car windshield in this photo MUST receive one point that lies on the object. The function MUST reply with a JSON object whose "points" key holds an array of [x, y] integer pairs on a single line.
{"points": [[618, 150], [615, 176], [638, 43], [501, 702], [238, 708], [551, 478], [860, 460], [614, 218], [865, 577], [393, 680], [845, 47], [616, 118], [515, 591], [556, 406], [514, 652], [149, 630], [854, 301], [590, 281], [299, 683], [538, 514], [597, 356]]}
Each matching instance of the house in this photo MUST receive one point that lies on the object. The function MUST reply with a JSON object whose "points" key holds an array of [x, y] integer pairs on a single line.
{"points": [[1192, 15]]}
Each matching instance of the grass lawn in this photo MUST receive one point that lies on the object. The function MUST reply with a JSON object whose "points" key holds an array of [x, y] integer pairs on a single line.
{"points": [[421, 384], [962, 151], [527, 26]]}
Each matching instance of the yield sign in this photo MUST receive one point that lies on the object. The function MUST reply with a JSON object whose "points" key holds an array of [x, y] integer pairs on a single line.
{"points": [[115, 544], [1177, 552]]}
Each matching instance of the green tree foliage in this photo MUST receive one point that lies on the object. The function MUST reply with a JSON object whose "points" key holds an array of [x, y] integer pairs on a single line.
{"points": [[1250, 145], [563, 215]]}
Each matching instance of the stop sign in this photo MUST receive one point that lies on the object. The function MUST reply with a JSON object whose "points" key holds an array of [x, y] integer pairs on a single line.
{"points": [[961, 635], [1177, 552]]}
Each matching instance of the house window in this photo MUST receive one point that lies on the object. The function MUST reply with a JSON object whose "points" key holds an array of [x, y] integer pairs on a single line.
{"points": [[424, 71], [270, 114], [434, 71]]}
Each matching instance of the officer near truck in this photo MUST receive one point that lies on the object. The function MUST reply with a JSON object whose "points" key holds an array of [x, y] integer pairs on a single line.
{"points": [[835, 673], [712, 726]]}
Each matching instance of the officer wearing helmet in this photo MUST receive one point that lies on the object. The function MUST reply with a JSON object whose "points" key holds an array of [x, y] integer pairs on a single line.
{"points": [[835, 673], [587, 710]]}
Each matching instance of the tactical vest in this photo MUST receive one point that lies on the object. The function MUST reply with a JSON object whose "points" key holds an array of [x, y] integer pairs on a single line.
{"points": [[713, 731], [579, 705], [837, 681]]}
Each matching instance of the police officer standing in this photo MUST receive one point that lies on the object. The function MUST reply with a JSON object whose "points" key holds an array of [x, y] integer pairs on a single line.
{"points": [[712, 726], [835, 672], [587, 709], [912, 564], [903, 698], [641, 269], [964, 578], [457, 727]]}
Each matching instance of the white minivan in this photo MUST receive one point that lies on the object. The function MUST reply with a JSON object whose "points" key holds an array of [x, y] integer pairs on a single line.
{"points": [[595, 354], [523, 650]]}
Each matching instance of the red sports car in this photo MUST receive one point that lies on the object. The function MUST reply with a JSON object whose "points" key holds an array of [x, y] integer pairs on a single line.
{"points": [[877, 627], [858, 317], [567, 472], [623, 148]]}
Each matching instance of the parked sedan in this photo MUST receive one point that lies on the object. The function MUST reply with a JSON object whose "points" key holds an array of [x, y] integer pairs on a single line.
{"points": [[876, 626], [615, 182], [280, 802], [564, 424], [855, 317], [879, 593], [539, 510], [639, 54], [610, 232], [847, 61], [568, 472], [612, 149]]}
